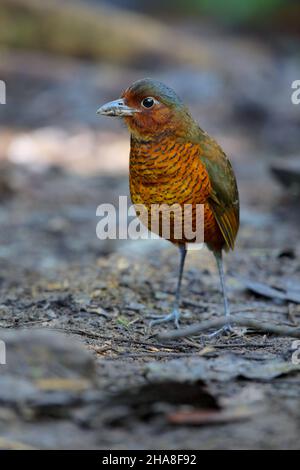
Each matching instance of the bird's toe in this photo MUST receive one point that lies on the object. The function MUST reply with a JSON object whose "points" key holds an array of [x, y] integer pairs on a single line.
{"points": [[226, 330], [173, 316]]}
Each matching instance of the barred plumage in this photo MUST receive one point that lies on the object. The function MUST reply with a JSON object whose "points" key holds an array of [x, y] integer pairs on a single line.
{"points": [[173, 161]]}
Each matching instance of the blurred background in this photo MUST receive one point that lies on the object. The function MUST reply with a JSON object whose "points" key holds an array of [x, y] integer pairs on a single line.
{"points": [[232, 62]]}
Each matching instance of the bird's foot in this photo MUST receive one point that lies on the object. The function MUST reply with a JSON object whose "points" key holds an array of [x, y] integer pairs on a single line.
{"points": [[173, 316], [226, 330]]}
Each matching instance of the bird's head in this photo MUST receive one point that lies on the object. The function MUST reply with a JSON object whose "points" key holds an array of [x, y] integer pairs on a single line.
{"points": [[150, 108]]}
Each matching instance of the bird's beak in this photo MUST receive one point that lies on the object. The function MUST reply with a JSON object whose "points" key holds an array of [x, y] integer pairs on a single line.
{"points": [[117, 108]]}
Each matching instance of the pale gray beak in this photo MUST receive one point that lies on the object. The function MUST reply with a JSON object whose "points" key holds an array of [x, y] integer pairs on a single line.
{"points": [[117, 108]]}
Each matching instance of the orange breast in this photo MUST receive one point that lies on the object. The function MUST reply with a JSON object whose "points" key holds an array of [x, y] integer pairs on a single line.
{"points": [[168, 172]]}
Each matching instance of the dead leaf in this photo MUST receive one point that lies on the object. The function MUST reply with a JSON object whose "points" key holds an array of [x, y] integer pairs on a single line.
{"points": [[206, 350], [271, 292], [7, 444], [205, 417], [220, 369], [74, 385]]}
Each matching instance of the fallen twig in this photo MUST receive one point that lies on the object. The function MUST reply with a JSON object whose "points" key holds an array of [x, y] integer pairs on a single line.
{"points": [[136, 355], [117, 339], [272, 292], [263, 327]]}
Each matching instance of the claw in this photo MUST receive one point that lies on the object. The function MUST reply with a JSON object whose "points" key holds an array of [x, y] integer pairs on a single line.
{"points": [[225, 330], [173, 316]]}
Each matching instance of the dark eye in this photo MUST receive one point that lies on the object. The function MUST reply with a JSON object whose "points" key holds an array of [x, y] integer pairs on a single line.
{"points": [[148, 102]]}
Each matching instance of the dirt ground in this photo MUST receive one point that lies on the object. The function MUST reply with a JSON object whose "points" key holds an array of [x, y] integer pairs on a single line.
{"points": [[84, 370]]}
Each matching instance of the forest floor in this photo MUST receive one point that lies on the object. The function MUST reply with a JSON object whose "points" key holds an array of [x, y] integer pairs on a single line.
{"points": [[84, 369], [136, 391]]}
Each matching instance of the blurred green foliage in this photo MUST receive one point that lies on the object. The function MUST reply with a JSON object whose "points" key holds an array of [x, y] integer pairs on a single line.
{"points": [[234, 11], [93, 30], [228, 11], [262, 15]]}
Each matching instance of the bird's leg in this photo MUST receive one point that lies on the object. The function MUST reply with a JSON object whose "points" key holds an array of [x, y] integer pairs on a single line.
{"points": [[226, 328], [175, 314]]}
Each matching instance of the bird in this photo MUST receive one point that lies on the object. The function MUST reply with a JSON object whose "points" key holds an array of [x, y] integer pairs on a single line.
{"points": [[174, 161]]}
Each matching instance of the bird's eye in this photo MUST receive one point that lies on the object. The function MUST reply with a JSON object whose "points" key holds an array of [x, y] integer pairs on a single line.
{"points": [[148, 102]]}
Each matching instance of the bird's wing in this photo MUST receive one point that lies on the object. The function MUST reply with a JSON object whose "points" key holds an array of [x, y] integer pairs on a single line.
{"points": [[224, 197]]}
